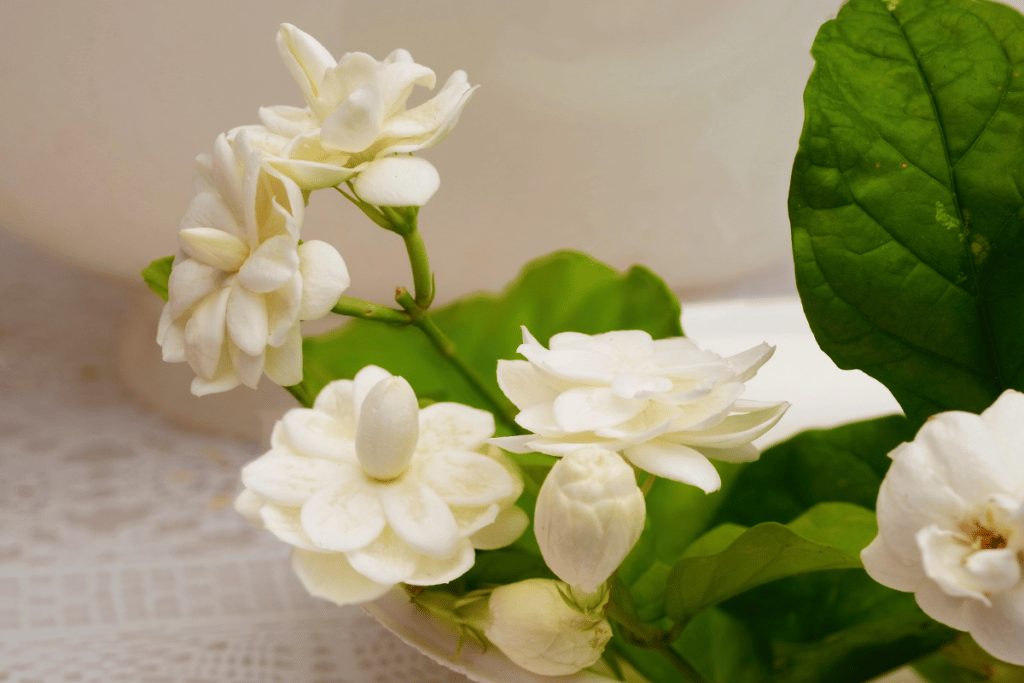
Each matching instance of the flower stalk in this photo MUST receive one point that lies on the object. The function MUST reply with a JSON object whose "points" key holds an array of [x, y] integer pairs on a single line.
{"points": [[503, 408]]}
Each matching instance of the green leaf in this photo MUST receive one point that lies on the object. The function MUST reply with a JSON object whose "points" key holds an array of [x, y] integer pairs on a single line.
{"points": [[717, 645], [906, 199], [843, 464], [677, 514], [156, 275], [829, 536], [964, 661], [836, 625], [863, 651], [560, 292]]}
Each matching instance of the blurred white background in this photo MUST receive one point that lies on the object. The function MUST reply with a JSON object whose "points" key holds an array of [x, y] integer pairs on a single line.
{"points": [[651, 131]]}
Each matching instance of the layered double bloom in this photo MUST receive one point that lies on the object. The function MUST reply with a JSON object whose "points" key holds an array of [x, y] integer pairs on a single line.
{"points": [[665, 404], [372, 491], [241, 282]]}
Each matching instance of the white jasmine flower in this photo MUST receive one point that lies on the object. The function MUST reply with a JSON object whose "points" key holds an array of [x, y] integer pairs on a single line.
{"points": [[665, 404], [589, 515], [951, 524], [356, 121], [532, 625], [373, 491], [241, 282]]}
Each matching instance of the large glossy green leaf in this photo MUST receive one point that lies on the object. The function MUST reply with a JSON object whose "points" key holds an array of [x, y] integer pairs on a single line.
{"points": [[845, 463], [906, 199], [563, 291], [828, 536]]}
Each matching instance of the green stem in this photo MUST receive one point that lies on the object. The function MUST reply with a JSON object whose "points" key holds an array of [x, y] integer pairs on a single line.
{"points": [[357, 308], [422, 280], [680, 663], [503, 408]]}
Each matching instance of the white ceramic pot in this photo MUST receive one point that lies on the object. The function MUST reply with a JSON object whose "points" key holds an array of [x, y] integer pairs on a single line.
{"points": [[654, 132]]}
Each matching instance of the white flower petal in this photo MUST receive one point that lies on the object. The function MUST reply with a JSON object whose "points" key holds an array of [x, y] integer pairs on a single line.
{"points": [[284, 523], [305, 58], [453, 426], [171, 337], [324, 278], [388, 559], [284, 363], [995, 570], [585, 409], [467, 479], [248, 505], [189, 282], [271, 265], [743, 453], [248, 368], [1000, 629], [676, 462], [397, 181], [735, 430], [506, 529], [335, 399], [636, 386], [283, 310], [585, 366], [420, 518], [224, 379], [209, 210], [214, 247], [355, 123], [343, 516], [290, 480], [429, 123], [943, 607], [540, 419], [288, 121], [525, 385], [934, 501], [974, 464], [247, 322], [1002, 419], [747, 363], [431, 571], [888, 568], [943, 555], [330, 576], [313, 175], [514, 444], [204, 334], [398, 79], [469, 520], [316, 433]]}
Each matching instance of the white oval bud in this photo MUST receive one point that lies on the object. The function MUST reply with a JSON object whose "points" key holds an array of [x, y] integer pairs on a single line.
{"points": [[589, 515], [388, 429], [535, 628]]}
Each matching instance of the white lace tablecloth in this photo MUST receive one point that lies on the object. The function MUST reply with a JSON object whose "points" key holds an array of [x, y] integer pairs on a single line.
{"points": [[121, 558]]}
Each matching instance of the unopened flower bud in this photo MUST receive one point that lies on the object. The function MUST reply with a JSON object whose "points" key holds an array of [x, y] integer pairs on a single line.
{"points": [[534, 626], [388, 428], [589, 515]]}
